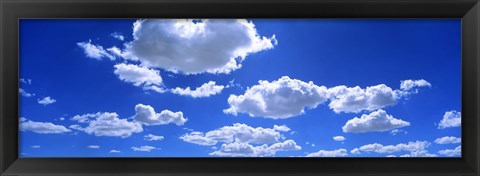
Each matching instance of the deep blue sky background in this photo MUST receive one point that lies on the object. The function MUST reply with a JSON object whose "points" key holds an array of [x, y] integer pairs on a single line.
{"points": [[329, 52]]}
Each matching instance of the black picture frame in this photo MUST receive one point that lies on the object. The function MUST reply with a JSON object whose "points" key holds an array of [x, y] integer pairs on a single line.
{"points": [[12, 10]]}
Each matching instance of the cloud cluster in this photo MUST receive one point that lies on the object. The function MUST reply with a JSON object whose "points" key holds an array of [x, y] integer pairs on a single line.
{"points": [[41, 127], [195, 46], [118, 36], [448, 140], [247, 150], [376, 121], [46, 101], [205, 90], [240, 140], [451, 119], [451, 152], [408, 85], [137, 75], [329, 153], [416, 149], [145, 114], [25, 93], [145, 148], [106, 124], [339, 138], [151, 137], [95, 51], [286, 97], [278, 99]]}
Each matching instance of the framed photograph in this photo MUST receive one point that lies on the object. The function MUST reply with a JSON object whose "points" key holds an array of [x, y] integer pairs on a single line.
{"points": [[219, 87]]}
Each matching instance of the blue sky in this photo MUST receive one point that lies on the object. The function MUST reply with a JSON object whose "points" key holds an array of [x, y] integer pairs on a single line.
{"points": [[223, 88]]}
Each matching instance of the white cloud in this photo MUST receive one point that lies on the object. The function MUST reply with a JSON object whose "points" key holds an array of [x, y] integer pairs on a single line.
{"points": [[376, 121], [25, 93], [247, 150], [205, 90], [416, 149], [412, 84], [118, 36], [93, 147], [451, 119], [94, 51], [356, 99], [146, 115], [448, 140], [398, 131], [329, 153], [283, 128], [114, 151], [279, 99], [451, 152], [46, 101], [195, 46], [151, 137], [145, 148], [106, 124], [138, 75], [240, 133], [41, 127], [36, 146], [339, 138], [26, 81]]}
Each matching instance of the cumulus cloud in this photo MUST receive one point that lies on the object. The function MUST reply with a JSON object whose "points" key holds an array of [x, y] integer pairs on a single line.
{"points": [[151, 137], [451, 119], [376, 121], [195, 46], [448, 140], [356, 99], [416, 149], [25, 93], [247, 150], [408, 85], [205, 90], [118, 36], [146, 115], [145, 148], [46, 101], [106, 124], [240, 133], [283, 128], [114, 151], [138, 75], [339, 138], [94, 51], [278, 99], [93, 147], [398, 131], [41, 127], [329, 153], [452, 152]]}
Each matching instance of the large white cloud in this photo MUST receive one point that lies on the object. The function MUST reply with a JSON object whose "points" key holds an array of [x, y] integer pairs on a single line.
{"points": [[145, 148], [46, 101], [247, 150], [451, 152], [448, 140], [194, 46], [416, 149], [94, 51], [106, 124], [278, 99], [356, 99], [146, 115], [329, 153], [41, 127], [240, 133], [376, 121], [205, 90], [138, 75], [451, 119]]}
